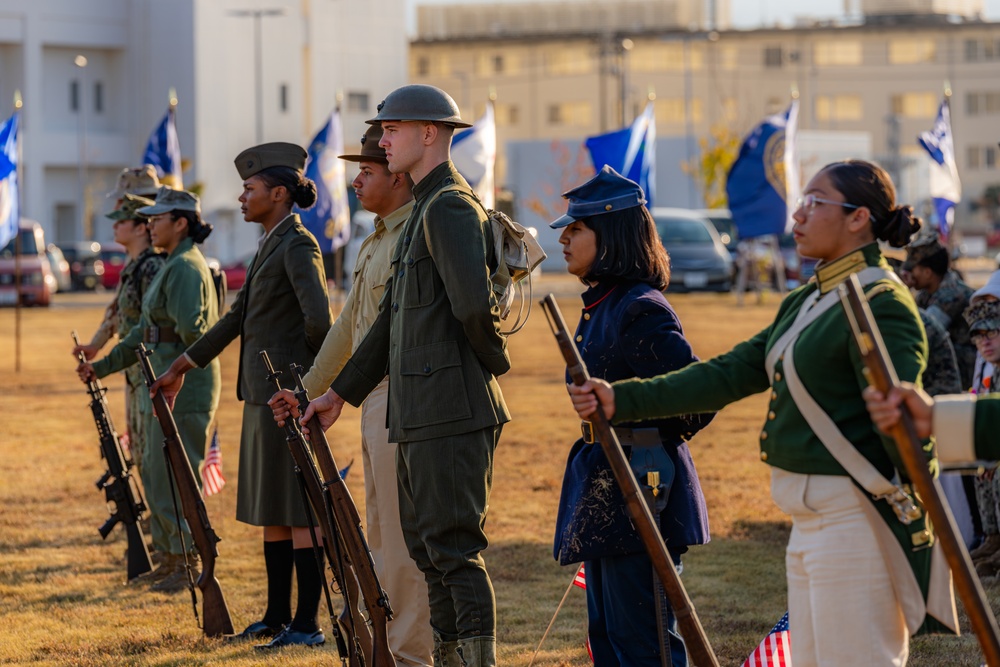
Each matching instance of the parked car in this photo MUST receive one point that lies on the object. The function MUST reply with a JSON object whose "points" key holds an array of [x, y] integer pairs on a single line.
{"points": [[698, 258], [236, 273], [722, 220], [37, 282], [85, 265], [59, 266], [114, 258]]}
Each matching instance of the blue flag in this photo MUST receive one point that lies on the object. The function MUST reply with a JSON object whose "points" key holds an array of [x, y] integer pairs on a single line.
{"points": [[10, 214], [763, 181], [474, 153], [945, 188], [329, 220], [631, 152], [163, 151]]}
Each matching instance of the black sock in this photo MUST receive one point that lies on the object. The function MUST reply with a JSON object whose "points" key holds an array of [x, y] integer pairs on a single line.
{"points": [[278, 561], [309, 577]]}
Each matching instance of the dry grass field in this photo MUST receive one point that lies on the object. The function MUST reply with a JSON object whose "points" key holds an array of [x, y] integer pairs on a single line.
{"points": [[63, 600]]}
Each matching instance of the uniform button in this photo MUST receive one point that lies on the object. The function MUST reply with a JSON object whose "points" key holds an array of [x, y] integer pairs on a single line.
{"points": [[774, 395], [763, 456], [409, 262], [378, 237], [586, 316], [401, 272], [771, 415], [777, 377], [427, 369], [368, 256], [763, 435], [395, 307], [406, 240], [579, 339]]}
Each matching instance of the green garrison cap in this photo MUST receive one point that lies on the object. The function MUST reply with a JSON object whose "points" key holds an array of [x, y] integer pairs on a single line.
{"points": [[129, 210], [168, 199], [370, 150], [276, 154]]}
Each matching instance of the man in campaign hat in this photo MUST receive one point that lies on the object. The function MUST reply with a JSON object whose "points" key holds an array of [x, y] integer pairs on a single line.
{"points": [[283, 308], [438, 334], [389, 197]]}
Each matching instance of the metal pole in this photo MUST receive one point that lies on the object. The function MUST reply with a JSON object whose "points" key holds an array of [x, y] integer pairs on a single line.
{"points": [[81, 134], [258, 75]]}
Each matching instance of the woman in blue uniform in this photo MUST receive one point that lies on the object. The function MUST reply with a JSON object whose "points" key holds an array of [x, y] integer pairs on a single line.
{"points": [[860, 579], [627, 329]]}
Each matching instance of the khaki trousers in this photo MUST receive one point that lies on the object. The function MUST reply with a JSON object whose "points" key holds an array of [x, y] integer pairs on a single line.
{"points": [[409, 630], [841, 606]]}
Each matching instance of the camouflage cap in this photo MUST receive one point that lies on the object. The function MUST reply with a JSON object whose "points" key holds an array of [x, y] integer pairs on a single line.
{"points": [[983, 315], [276, 154], [168, 199], [129, 210], [370, 150], [921, 250], [136, 181]]}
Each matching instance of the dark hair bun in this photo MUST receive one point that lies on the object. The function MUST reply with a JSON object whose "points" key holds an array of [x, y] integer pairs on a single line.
{"points": [[201, 232], [898, 228], [304, 193]]}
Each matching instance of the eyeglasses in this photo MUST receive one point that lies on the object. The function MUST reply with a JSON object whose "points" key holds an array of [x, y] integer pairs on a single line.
{"points": [[978, 336], [809, 202]]}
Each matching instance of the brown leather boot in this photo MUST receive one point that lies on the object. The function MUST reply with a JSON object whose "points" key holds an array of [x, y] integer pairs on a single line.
{"points": [[178, 579], [990, 546]]}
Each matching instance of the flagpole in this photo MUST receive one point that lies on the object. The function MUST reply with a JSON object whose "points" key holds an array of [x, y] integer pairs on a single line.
{"points": [[17, 243]]}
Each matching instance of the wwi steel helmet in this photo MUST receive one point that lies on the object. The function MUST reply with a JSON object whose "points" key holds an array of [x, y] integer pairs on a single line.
{"points": [[419, 102]]}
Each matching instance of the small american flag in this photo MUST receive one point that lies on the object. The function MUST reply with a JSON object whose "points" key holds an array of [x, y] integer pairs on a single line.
{"points": [[581, 578], [212, 480], [775, 650]]}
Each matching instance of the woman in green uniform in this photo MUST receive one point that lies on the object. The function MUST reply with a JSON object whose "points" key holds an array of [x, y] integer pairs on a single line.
{"points": [[177, 308], [854, 569]]}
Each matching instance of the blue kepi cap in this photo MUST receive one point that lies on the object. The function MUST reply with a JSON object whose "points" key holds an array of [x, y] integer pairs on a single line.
{"points": [[606, 192]]}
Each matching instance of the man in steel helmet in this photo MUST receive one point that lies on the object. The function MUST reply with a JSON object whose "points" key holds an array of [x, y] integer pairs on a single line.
{"points": [[438, 333]]}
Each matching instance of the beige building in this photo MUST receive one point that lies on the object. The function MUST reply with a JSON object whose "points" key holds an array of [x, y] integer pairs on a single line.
{"points": [[884, 75]]}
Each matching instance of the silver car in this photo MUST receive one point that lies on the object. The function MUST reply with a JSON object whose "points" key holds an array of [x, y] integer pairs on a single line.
{"points": [[699, 260]]}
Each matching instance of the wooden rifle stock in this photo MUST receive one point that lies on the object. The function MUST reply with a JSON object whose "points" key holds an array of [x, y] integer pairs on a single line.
{"points": [[345, 513], [882, 376], [698, 647], [215, 612], [117, 482], [343, 573]]}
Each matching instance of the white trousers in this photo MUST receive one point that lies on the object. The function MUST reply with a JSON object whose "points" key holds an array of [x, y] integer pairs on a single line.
{"points": [[841, 606]]}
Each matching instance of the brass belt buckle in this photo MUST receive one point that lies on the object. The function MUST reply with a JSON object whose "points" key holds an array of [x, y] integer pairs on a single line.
{"points": [[588, 432], [902, 504]]}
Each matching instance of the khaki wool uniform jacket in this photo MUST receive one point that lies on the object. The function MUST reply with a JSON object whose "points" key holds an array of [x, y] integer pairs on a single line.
{"points": [[438, 331]]}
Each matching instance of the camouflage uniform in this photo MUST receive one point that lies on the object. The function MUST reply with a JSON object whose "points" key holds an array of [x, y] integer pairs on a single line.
{"points": [[941, 375], [946, 306]]}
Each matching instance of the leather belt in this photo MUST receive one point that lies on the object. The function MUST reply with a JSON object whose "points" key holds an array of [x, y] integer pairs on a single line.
{"points": [[628, 437], [160, 335]]}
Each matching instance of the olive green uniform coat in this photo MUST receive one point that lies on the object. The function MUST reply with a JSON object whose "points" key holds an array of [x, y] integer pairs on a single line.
{"points": [[284, 309]]}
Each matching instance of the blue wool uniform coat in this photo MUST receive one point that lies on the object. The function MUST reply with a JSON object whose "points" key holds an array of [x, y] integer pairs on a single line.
{"points": [[626, 330]]}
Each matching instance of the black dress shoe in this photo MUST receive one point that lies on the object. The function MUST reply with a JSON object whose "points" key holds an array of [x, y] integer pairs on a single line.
{"points": [[289, 637], [256, 630]]}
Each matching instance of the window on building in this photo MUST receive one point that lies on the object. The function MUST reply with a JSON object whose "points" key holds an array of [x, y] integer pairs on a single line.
{"points": [[423, 66], [973, 157], [772, 56], [490, 64], [283, 97], [506, 114], [569, 60], [666, 57], [98, 97], [74, 95], [838, 108], [911, 51], [728, 57], [674, 110], [915, 105], [982, 102], [990, 157], [971, 50], [972, 104], [570, 113], [833, 53], [730, 110], [357, 101]]}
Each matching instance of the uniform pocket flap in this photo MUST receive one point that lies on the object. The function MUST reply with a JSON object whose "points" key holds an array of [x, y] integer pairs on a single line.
{"points": [[429, 359]]}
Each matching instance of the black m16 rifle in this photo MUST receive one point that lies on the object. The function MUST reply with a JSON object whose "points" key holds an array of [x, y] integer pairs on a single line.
{"points": [[215, 613], [694, 635], [881, 375], [345, 513], [124, 498]]}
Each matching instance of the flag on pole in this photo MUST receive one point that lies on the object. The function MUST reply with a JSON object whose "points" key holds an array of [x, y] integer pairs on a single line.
{"points": [[763, 182], [776, 648], [10, 212], [163, 151], [474, 154], [631, 152], [581, 578], [329, 219], [945, 188], [212, 480]]}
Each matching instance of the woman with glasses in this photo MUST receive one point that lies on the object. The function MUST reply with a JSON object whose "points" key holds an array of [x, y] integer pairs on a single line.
{"points": [[860, 569]]}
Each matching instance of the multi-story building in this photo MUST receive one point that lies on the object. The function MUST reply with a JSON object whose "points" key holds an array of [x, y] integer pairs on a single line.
{"points": [[883, 72], [244, 71]]}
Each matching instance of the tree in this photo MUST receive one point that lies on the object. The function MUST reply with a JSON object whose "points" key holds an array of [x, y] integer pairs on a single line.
{"points": [[710, 168]]}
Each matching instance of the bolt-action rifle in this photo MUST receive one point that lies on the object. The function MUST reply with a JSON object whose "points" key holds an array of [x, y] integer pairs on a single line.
{"points": [[215, 613], [881, 375], [699, 650], [124, 498]]}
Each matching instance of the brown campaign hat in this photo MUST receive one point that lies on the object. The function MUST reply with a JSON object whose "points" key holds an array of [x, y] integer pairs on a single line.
{"points": [[129, 210], [276, 154], [370, 150], [168, 199], [136, 181]]}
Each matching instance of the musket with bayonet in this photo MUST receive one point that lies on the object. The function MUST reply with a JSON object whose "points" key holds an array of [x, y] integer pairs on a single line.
{"points": [[216, 620], [698, 648], [123, 496], [881, 375]]}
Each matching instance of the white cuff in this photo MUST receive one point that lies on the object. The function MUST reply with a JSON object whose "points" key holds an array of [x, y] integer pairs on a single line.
{"points": [[954, 428]]}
